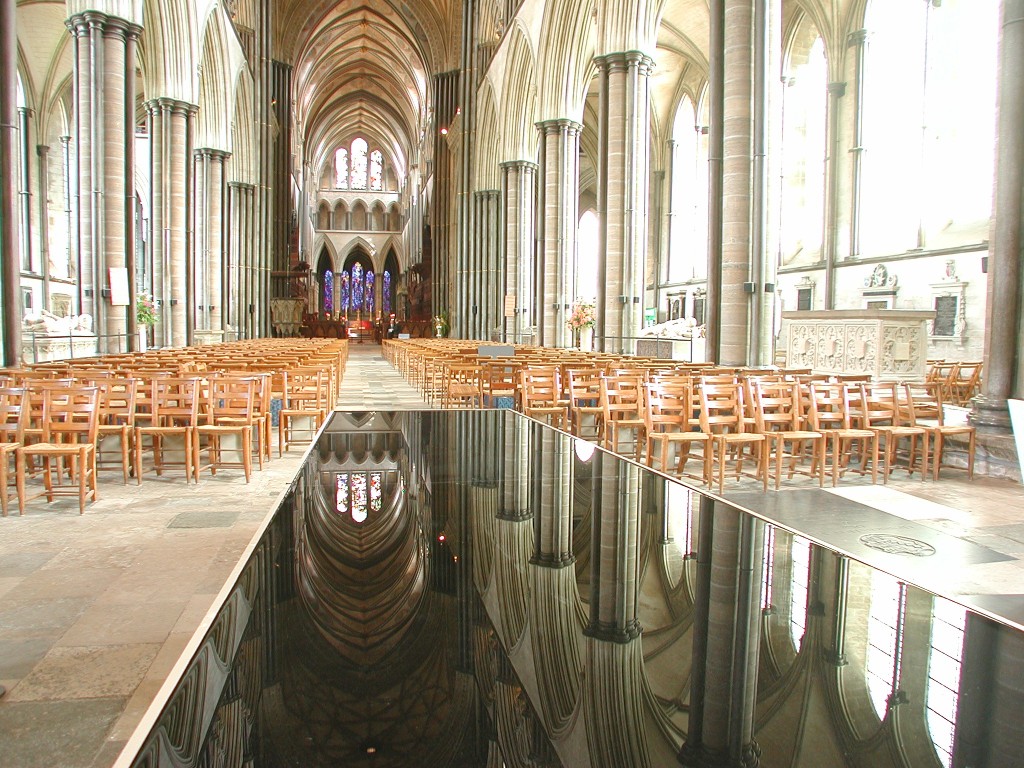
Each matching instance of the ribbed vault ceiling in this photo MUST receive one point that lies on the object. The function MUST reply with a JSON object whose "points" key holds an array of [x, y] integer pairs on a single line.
{"points": [[364, 67]]}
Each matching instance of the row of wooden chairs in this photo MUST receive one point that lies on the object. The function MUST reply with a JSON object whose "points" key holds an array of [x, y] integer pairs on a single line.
{"points": [[957, 381], [57, 420]]}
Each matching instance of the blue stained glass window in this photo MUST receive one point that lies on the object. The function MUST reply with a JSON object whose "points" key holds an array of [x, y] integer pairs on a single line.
{"points": [[386, 293], [370, 299], [329, 292], [345, 293], [357, 287]]}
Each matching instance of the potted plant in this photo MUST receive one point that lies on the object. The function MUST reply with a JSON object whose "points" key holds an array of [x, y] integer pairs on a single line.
{"points": [[145, 317]]}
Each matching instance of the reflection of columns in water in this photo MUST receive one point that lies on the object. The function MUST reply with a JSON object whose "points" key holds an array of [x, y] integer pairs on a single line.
{"points": [[552, 456], [614, 570], [726, 637]]}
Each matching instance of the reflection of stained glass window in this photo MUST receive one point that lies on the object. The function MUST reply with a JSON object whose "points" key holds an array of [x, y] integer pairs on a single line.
{"points": [[345, 293], [370, 300], [359, 497], [341, 169], [376, 492], [329, 292], [376, 170], [357, 287], [342, 492], [386, 293], [359, 147]]}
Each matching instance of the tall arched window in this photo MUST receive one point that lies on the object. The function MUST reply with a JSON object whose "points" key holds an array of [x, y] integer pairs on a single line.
{"points": [[928, 124], [376, 170], [586, 257], [357, 494], [804, 108], [885, 639], [688, 225], [359, 163], [942, 697], [341, 168]]}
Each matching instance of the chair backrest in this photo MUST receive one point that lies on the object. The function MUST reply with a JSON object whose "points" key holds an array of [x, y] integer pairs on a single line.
{"points": [[584, 386], [13, 415], [721, 408], [175, 400], [70, 414], [540, 386], [879, 404], [668, 406], [230, 397], [622, 396], [308, 388], [829, 406], [776, 406], [118, 398]]}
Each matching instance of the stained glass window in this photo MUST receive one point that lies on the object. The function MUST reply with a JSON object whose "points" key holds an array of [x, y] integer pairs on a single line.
{"points": [[341, 500], [376, 170], [346, 300], [357, 287], [359, 148], [341, 168], [359, 506], [376, 492], [329, 292], [386, 293], [370, 300]]}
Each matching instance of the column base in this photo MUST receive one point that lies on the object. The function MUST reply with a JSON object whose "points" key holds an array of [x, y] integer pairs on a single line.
{"points": [[614, 634], [990, 415]]}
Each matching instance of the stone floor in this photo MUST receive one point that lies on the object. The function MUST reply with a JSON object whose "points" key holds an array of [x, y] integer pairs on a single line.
{"points": [[97, 609]]}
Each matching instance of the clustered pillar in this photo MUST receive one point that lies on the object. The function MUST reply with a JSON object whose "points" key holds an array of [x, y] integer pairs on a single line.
{"points": [[210, 192], [558, 206], [104, 54]]}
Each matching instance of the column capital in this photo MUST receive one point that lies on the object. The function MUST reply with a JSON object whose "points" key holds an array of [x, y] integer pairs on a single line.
{"points": [[168, 104], [242, 186], [81, 24], [625, 60], [553, 561], [858, 37], [559, 125], [600, 630], [515, 515], [214, 154], [518, 165], [837, 89]]}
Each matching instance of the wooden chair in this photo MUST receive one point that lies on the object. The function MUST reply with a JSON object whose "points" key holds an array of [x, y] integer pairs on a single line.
{"points": [[669, 424], [622, 411], [117, 418], [229, 411], [540, 390], [585, 410], [305, 406], [498, 383], [779, 417], [69, 424], [174, 403], [965, 384], [722, 417], [830, 414], [12, 432], [884, 414], [462, 387], [924, 409]]}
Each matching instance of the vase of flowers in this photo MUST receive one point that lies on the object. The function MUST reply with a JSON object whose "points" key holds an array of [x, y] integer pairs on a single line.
{"points": [[145, 317], [581, 322], [441, 325]]}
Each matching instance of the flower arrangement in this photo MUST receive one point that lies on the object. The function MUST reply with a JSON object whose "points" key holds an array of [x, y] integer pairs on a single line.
{"points": [[583, 315], [441, 325], [145, 310]]}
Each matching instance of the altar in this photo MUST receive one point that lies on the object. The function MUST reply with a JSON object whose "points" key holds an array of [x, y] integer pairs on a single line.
{"points": [[887, 344]]}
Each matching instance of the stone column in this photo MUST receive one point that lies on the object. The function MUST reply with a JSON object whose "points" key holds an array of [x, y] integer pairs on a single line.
{"points": [[43, 154], [25, 189], [558, 205], [552, 453], [1003, 376], [10, 260], [624, 161], [615, 570], [857, 40], [836, 91], [209, 237], [484, 284], [520, 193], [105, 116], [171, 133]]}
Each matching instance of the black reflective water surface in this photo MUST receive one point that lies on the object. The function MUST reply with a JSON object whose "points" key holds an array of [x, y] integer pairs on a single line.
{"points": [[474, 589]]}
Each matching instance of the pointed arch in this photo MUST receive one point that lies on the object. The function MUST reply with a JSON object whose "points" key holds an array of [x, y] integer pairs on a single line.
{"points": [[488, 140], [221, 54], [568, 53], [520, 101], [242, 168], [171, 50]]}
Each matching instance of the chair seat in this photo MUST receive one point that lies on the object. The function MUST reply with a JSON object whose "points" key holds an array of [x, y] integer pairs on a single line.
{"points": [[63, 449]]}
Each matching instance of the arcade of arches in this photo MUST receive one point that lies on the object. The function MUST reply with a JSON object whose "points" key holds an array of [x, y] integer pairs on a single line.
{"points": [[496, 161]]}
